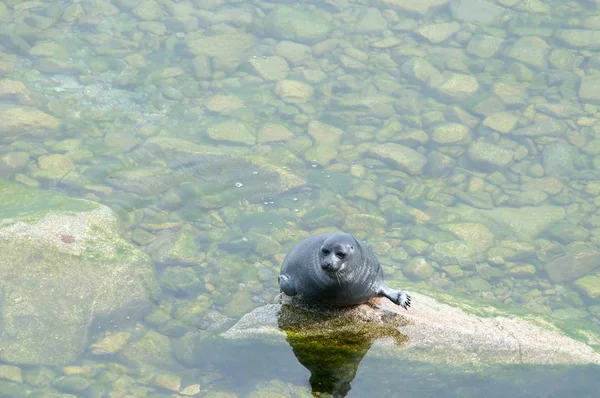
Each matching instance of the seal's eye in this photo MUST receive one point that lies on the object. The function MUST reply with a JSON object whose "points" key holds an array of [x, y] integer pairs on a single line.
{"points": [[340, 255], [325, 251]]}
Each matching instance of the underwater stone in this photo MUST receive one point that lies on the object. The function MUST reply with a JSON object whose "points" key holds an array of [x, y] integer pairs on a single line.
{"points": [[590, 286], [403, 157], [89, 271], [489, 156], [17, 120], [232, 131], [298, 24], [273, 68]]}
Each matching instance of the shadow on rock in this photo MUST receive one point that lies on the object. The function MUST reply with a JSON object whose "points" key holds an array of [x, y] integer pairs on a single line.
{"points": [[331, 347]]}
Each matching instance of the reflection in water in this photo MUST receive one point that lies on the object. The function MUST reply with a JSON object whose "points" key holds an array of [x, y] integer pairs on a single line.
{"points": [[330, 347]]}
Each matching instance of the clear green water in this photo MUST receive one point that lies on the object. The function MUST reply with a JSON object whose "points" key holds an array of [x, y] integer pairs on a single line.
{"points": [[497, 102]]}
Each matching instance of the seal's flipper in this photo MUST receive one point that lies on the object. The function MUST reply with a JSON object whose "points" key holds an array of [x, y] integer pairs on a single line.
{"points": [[286, 285], [398, 297]]}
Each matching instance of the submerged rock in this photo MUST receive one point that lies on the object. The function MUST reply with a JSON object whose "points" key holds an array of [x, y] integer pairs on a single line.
{"points": [[216, 175], [297, 24], [64, 266], [429, 332], [17, 120]]}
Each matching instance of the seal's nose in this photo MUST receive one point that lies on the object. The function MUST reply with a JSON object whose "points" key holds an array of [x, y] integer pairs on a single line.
{"points": [[326, 265]]}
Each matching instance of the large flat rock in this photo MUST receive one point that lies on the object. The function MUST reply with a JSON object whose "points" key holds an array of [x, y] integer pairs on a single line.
{"points": [[436, 333], [64, 265]]}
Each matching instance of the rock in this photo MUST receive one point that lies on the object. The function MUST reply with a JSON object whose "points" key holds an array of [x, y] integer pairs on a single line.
{"points": [[430, 332], [224, 104], [457, 251], [418, 268], [54, 167], [153, 349], [418, 8], [294, 53], [528, 197], [228, 50], [232, 131], [17, 120], [548, 127], [589, 89], [298, 24], [240, 304], [364, 222], [479, 12], [403, 157], [484, 46], [419, 69], [571, 266], [273, 68], [457, 86], [590, 286], [168, 382], [474, 233], [451, 134], [66, 261], [558, 159], [530, 50], [438, 32], [12, 162], [525, 223], [489, 156], [325, 134], [371, 21], [14, 91], [588, 39], [182, 281], [110, 344], [272, 132], [503, 122], [563, 58], [7, 62], [294, 91], [148, 10], [219, 168], [11, 373], [57, 66]]}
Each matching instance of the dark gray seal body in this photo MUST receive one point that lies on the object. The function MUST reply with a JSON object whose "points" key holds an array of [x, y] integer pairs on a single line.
{"points": [[335, 269]]}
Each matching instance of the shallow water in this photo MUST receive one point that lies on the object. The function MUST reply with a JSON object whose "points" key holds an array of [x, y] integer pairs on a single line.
{"points": [[462, 132]]}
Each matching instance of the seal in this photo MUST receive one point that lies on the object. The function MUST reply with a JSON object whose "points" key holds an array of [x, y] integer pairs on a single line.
{"points": [[335, 269]]}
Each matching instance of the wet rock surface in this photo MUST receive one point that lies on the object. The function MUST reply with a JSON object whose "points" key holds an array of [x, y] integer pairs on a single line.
{"points": [[431, 331]]}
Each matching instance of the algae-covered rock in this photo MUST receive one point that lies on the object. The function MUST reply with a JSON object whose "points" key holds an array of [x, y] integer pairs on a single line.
{"points": [[294, 91], [228, 50], [271, 68], [153, 349], [509, 222], [489, 156], [403, 157], [418, 268], [231, 131], [590, 286], [66, 262], [456, 86], [17, 120], [219, 175], [417, 8], [110, 343], [298, 24]]}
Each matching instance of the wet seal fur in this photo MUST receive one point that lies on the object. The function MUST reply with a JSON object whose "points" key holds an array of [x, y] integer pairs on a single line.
{"points": [[335, 269]]}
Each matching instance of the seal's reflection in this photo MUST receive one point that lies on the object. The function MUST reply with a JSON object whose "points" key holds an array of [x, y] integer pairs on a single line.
{"points": [[331, 346]]}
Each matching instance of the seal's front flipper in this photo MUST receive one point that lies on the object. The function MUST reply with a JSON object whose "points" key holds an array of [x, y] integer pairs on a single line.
{"points": [[286, 285], [398, 297]]}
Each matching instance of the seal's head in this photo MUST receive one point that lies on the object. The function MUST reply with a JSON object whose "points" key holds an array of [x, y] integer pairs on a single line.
{"points": [[336, 252]]}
